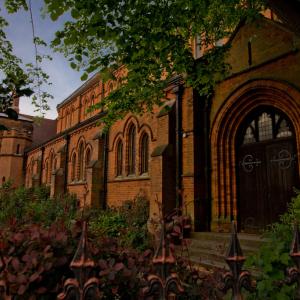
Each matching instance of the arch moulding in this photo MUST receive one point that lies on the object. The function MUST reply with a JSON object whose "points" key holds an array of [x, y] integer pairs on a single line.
{"points": [[236, 107]]}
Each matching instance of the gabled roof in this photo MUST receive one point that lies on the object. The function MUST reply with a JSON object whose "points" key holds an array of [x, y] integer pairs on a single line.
{"points": [[43, 131]]}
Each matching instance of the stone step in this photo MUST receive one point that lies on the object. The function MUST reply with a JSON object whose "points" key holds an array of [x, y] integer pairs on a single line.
{"points": [[246, 239], [209, 249]]}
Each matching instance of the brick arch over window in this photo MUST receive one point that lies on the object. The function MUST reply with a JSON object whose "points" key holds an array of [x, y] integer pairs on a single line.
{"points": [[224, 132]]}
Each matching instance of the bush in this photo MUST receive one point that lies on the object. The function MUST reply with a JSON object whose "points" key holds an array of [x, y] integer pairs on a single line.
{"points": [[128, 223], [273, 257], [34, 205], [37, 262]]}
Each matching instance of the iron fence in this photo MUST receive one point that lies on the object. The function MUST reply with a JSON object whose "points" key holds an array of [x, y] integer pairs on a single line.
{"points": [[164, 283]]}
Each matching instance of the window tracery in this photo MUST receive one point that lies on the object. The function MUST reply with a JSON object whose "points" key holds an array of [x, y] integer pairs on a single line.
{"points": [[266, 125]]}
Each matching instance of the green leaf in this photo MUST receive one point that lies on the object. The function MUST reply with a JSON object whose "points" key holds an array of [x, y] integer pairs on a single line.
{"points": [[84, 77], [73, 65]]}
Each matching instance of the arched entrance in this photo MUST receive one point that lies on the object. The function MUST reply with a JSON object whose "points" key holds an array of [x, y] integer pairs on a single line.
{"points": [[243, 106], [266, 167]]}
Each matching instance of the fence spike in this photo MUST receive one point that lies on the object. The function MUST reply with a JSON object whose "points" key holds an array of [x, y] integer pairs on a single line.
{"points": [[84, 285], [236, 278], [167, 283]]}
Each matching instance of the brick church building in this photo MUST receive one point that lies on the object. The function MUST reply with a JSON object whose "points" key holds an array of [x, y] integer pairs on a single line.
{"points": [[232, 157]]}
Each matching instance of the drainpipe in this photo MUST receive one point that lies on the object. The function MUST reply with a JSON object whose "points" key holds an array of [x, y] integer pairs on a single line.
{"points": [[67, 138], [179, 92], [207, 167]]}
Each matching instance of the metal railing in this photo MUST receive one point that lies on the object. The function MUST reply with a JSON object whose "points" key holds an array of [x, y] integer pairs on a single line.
{"points": [[164, 283]]}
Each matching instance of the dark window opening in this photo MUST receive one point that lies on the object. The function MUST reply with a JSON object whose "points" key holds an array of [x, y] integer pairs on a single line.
{"points": [[73, 171], [119, 160], [80, 162], [144, 154], [87, 161], [18, 149], [131, 150]]}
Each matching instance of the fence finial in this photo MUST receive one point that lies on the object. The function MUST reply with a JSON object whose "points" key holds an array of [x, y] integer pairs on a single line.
{"points": [[167, 282], [84, 285], [236, 278]]}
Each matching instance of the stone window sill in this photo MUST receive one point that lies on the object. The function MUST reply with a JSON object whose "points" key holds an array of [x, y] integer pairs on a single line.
{"points": [[141, 177]]}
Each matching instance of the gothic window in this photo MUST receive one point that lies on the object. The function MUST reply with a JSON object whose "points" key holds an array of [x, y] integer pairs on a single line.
{"points": [[131, 150], [144, 155], [87, 160], [55, 164], [86, 105], [265, 131], [80, 162], [46, 172], [73, 169], [3, 179], [71, 116], [266, 125], [67, 119], [18, 149], [32, 167], [283, 129], [50, 168], [119, 160]]}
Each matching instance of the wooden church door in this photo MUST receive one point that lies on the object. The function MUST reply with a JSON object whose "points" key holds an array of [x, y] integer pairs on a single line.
{"points": [[267, 169]]}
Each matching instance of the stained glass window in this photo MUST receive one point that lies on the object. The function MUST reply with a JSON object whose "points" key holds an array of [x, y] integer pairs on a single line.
{"points": [[265, 126]]}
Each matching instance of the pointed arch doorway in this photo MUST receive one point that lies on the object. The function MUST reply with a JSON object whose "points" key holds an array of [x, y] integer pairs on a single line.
{"points": [[266, 167], [271, 101]]}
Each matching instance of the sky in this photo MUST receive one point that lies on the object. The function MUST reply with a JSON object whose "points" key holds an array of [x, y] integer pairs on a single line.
{"points": [[63, 78]]}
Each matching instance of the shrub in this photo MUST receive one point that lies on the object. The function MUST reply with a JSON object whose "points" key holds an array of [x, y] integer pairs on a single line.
{"points": [[273, 257], [34, 205], [37, 262], [128, 223]]}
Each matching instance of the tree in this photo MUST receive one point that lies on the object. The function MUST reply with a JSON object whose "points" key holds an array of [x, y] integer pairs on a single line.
{"points": [[153, 39], [18, 79]]}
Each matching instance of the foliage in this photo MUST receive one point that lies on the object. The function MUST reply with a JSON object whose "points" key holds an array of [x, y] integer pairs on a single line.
{"points": [[23, 206], [273, 257], [36, 262], [128, 223], [17, 79], [39, 242], [153, 39]]}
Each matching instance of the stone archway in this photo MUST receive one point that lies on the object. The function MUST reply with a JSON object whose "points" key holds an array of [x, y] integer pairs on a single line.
{"points": [[229, 118]]}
